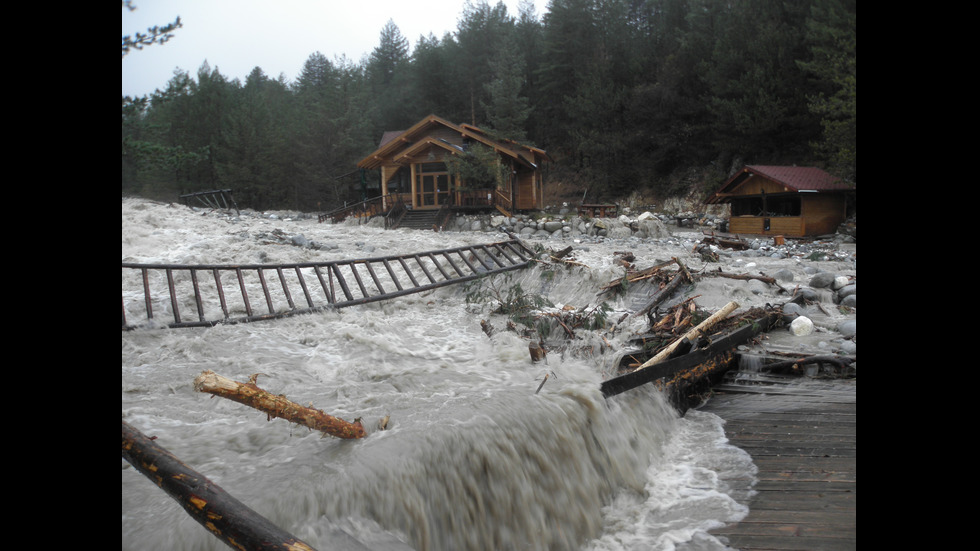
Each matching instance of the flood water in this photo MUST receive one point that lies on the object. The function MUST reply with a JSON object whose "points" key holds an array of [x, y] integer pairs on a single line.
{"points": [[472, 459]]}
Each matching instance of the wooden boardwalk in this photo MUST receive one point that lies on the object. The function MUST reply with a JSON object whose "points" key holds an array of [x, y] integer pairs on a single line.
{"points": [[802, 436]]}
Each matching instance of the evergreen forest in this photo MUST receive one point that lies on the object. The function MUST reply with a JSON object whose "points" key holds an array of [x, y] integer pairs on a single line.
{"points": [[659, 98]]}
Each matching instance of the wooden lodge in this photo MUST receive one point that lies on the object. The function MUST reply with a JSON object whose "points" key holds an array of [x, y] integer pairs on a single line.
{"points": [[784, 200], [414, 171]]}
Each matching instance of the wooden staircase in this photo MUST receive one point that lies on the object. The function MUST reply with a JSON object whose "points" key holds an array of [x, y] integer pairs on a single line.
{"points": [[420, 219]]}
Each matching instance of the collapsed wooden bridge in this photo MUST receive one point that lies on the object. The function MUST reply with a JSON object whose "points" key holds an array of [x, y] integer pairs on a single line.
{"points": [[151, 289]]}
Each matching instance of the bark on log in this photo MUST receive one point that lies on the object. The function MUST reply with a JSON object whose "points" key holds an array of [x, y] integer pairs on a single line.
{"points": [[225, 517], [276, 406], [693, 335]]}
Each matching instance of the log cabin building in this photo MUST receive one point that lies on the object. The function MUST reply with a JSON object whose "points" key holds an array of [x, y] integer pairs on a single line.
{"points": [[414, 171], [784, 200]]}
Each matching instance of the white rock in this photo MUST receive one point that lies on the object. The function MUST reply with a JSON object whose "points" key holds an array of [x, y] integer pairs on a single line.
{"points": [[801, 326], [839, 282]]}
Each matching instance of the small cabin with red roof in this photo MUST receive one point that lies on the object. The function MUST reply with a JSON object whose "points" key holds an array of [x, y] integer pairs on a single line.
{"points": [[415, 168], [784, 200]]}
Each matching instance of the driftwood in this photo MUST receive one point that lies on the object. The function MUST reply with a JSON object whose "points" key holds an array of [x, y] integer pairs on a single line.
{"points": [[276, 406], [682, 375], [764, 279], [734, 242], [683, 269], [562, 253], [693, 335], [663, 294], [225, 517], [638, 275]]}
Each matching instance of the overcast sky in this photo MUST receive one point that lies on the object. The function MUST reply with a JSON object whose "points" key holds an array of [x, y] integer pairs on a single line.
{"points": [[235, 36]]}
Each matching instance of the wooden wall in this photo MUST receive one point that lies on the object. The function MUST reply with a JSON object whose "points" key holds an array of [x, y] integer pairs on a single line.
{"points": [[778, 225], [819, 214], [527, 193], [823, 213]]}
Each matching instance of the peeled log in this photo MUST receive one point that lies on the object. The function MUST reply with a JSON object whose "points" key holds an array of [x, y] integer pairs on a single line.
{"points": [[276, 405], [693, 335], [225, 517]]}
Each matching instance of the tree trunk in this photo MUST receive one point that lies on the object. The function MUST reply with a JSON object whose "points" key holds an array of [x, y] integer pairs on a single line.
{"points": [[693, 335], [225, 517], [276, 406]]}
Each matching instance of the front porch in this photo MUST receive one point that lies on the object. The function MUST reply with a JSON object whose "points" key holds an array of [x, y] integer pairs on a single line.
{"points": [[394, 207]]}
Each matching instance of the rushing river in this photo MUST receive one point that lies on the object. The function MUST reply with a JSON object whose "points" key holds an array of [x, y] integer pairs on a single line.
{"points": [[472, 459]]}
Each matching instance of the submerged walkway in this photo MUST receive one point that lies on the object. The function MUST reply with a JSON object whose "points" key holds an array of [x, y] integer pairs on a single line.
{"points": [[802, 436]]}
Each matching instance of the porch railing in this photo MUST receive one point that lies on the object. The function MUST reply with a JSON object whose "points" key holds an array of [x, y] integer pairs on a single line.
{"points": [[368, 207]]}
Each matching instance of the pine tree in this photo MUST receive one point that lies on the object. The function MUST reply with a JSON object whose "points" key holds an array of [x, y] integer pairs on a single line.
{"points": [[507, 109], [832, 38]]}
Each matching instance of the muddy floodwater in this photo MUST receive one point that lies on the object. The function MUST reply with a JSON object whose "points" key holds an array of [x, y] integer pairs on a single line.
{"points": [[472, 459]]}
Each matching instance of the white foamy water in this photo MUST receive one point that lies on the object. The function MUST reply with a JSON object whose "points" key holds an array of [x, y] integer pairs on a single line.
{"points": [[473, 459]]}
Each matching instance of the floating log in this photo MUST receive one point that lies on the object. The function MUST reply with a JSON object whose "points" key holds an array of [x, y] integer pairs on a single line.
{"points": [[225, 517], [693, 335], [276, 406]]}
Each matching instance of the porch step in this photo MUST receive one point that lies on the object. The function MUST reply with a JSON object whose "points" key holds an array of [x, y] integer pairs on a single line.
{"points": [[419, 219]]}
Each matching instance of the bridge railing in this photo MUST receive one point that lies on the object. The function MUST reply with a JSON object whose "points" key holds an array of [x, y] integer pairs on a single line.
{"points": [[205, 295]]}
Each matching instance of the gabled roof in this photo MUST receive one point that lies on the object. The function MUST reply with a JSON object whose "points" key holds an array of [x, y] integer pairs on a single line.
{"points": [[391, 142], [795, 178]]}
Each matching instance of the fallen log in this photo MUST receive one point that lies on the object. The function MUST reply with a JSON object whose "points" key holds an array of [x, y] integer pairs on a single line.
{"points": [[219, 512], [276, 405], [693, 335]]}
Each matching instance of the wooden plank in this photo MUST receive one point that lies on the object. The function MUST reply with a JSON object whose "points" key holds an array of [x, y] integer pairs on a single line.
{"points": [[803, 440]]}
